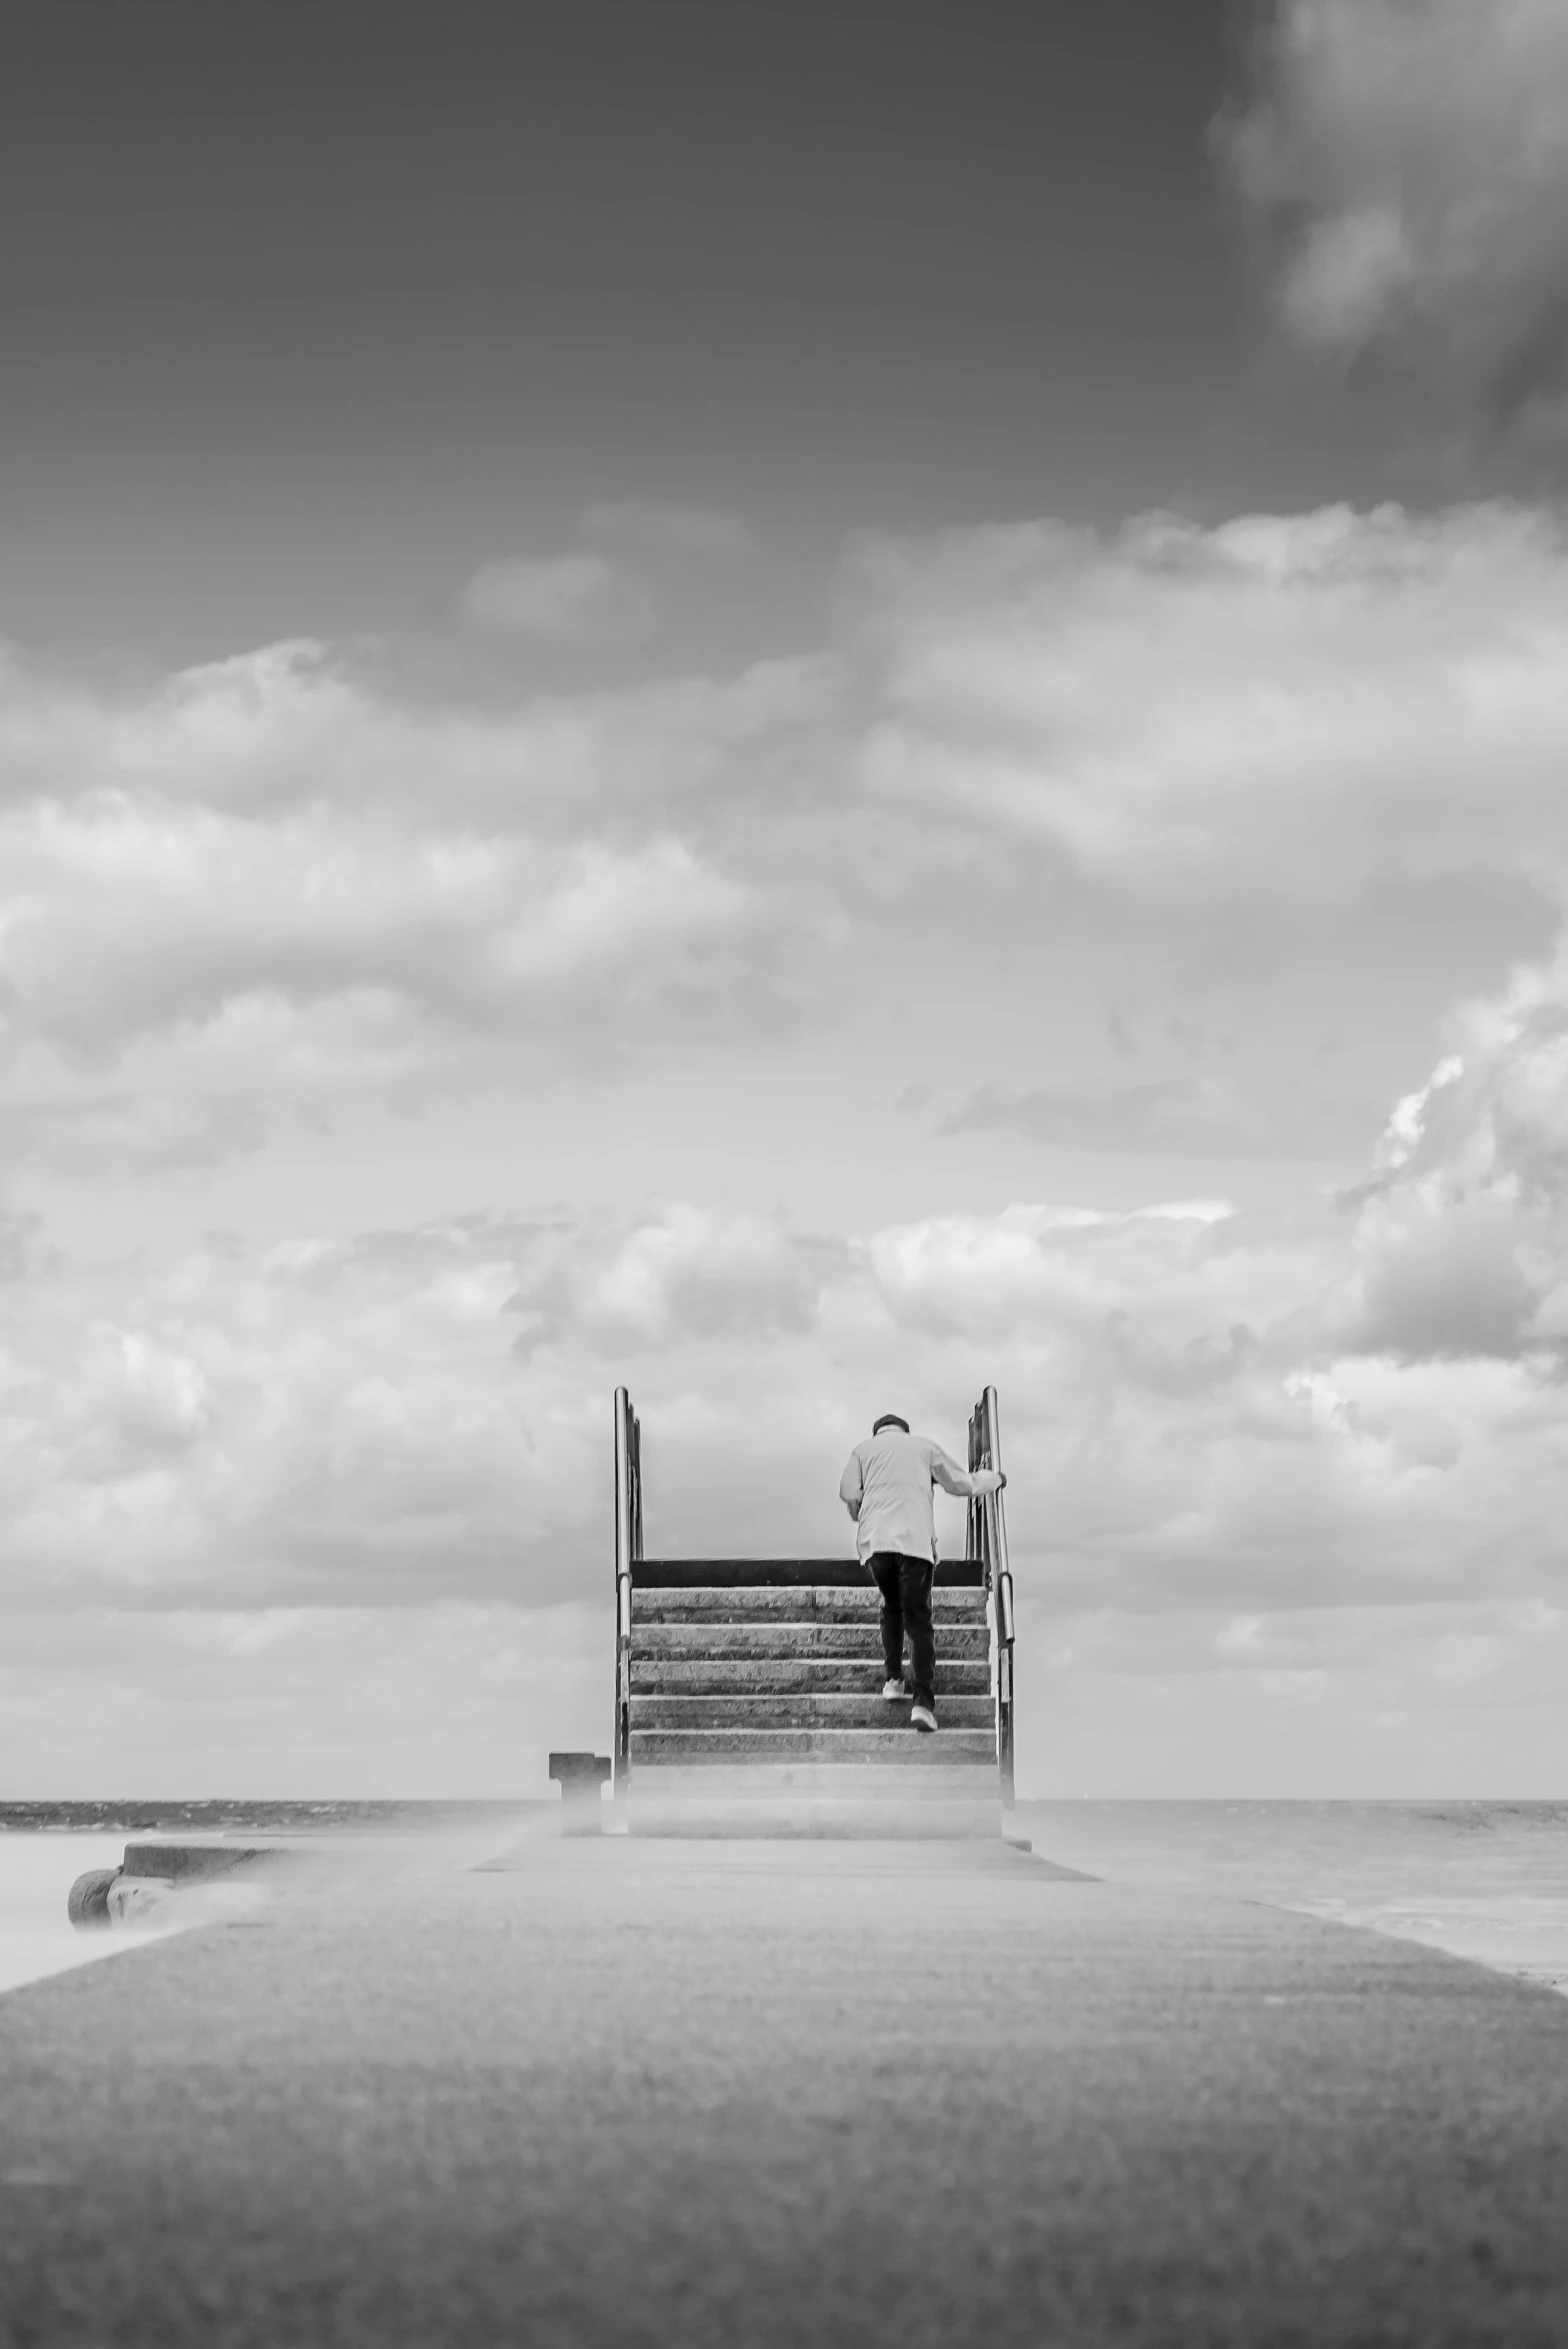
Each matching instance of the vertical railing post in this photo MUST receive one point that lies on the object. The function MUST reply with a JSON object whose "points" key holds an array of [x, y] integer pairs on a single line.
{"points": [[628, 1547], [974, 1543], [985, 1450]]}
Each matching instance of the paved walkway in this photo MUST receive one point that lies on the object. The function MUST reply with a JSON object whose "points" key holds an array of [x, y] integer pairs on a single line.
{"points": [[685, 2095]]}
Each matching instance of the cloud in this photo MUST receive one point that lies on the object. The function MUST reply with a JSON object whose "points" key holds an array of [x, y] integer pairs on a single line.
{"points": [[1223, 1424], [274, 885], [1462, 1240], [1323, 701], [316, 1424], [277, 884], [1408, 1701], [125, 921], [1165, 1113], [400, 1418], [1197, 1414], [456, 1699], [1411, 165], [267, 885], [304, 724], [737, 1275], [583, 598]]}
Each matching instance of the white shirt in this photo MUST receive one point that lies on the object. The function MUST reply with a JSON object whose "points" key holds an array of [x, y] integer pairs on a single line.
{"points": [[887, 1490]]}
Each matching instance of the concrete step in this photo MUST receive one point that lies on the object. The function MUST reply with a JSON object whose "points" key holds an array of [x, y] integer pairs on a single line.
{"points": [[799, 1712], [790, 1676], [787, 1605], [790, 1642], [791, 1776], [723, 1573], [904, 1748], [925, 1806]]}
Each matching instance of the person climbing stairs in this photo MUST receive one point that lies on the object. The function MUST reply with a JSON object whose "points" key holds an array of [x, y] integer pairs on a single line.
{"points": [[750, 1693]]}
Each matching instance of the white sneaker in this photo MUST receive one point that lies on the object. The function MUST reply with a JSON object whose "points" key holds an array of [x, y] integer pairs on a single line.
{"points": [[921, 1717], [893, 1690]]}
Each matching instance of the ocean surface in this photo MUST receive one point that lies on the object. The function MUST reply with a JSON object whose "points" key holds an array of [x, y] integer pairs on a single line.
{"points": [[44, 1847], [36, 1872], [1487, 1880]]}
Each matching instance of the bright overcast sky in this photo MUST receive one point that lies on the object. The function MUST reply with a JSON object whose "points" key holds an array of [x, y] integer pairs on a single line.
{"points": [[802, 705]]}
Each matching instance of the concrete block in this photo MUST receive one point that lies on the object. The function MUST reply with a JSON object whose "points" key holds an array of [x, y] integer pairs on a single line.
{"points": [[580, 1776]]}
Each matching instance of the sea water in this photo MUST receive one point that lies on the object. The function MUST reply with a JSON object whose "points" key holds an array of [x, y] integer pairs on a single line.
{"points": [[36, 1873], [1486, 1880]]}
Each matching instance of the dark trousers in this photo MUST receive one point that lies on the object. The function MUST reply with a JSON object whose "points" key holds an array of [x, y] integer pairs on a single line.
{"points": [[905, 1584]]}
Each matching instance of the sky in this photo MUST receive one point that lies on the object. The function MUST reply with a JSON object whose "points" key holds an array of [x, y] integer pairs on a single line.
{"points": [[802, 706]]}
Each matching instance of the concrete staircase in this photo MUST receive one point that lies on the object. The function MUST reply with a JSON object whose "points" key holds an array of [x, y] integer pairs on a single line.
{"points": [[748, 1691], [756, 1704]]}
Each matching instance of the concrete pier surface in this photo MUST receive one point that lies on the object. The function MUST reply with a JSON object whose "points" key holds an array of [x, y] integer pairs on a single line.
{"points": [[605, 2092]]}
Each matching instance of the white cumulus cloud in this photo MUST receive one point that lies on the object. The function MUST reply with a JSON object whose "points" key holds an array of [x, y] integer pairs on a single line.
{"points": [[1463, 1240], [266, 884], [1206, 1409], [1293, 704]]}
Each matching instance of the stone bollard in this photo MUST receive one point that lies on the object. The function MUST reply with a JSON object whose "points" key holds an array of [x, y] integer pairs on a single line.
{"points": [[87, 1902], [580, 1777]]}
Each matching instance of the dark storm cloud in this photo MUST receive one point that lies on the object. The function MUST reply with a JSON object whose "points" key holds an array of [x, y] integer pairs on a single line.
{"points": [[1411, 166]]}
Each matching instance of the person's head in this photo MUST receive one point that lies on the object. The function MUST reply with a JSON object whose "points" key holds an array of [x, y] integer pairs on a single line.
{"points": [[889, 1419]]}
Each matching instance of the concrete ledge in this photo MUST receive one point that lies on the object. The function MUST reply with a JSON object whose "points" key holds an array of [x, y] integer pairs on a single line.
{"points": [[151, 1875], [196, 1861], [837, 1801]]}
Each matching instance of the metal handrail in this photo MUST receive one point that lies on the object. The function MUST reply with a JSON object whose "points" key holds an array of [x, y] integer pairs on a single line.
{"points": [[628, 1550], [986, 1541]]}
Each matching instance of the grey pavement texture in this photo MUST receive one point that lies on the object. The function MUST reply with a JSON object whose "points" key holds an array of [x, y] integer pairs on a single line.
{"points": [[683, 2094]]}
